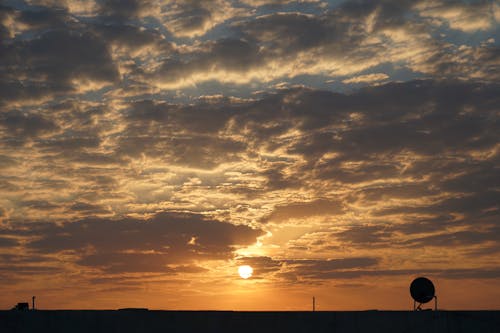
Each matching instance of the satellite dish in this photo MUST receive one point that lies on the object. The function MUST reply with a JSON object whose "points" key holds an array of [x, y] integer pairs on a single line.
{"points": [[422, 291]]}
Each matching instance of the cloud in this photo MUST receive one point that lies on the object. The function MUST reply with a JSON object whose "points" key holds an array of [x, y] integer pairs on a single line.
{"points": [[317, 207], [327, 269], [366, 235], [463, 62], [140, 245], [224, 59], [45, 18], [262, 266], [436, 233], [127, 40], [50, 67], [273, 2], [459, 238], [188, 18], [460, 15], [128, 9], [367, 78], [88, 208], [293, 269], [333, 264], [8, 242], [7, 162], [461, 273], [23, 126]]}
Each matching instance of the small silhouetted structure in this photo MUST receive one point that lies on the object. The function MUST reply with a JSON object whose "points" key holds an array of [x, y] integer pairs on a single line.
{"points": [[21, 306], [422, 291], [33, 303]]}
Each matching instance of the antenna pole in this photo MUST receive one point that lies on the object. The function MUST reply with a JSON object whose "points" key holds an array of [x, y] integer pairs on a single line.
{"points": [[33, 303], [314, 304]]}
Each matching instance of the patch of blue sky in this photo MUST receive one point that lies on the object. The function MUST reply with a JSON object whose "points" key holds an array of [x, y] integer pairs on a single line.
{"points": [[474, 38], [334, 3]]}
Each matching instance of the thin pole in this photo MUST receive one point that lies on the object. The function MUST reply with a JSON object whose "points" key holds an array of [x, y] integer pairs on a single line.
{"points": [[33, 303], [314, 304]]}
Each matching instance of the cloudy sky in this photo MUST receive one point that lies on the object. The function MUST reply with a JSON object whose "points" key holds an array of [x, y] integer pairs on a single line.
{"points": [[340, 148]]}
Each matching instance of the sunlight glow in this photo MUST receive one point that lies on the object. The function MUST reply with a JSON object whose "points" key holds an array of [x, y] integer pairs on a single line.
{"points": [[245, 271]]}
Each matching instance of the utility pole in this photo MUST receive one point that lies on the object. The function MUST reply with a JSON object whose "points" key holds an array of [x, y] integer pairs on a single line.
{"points": [[33, 303], [314, 304]]}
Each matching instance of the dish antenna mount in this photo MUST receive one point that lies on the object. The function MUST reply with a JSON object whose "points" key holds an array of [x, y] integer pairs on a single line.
{"points": [[422, 291]]}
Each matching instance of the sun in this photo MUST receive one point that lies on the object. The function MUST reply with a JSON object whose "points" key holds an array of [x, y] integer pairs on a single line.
{"points": [[245, 271]]}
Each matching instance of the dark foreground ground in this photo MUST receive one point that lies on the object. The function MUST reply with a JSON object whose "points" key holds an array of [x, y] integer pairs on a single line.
{"points": [[255, 322]]}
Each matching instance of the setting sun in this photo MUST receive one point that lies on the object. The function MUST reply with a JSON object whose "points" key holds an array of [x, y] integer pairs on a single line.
{"points": [[245, 271]]}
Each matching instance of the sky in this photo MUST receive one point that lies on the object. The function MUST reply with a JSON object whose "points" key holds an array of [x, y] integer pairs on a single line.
{"points": [[148, 149]]}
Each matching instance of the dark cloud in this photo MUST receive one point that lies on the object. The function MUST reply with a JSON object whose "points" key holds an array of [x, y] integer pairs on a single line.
{"points": [[23, 125], [201, 151], [8, 242], [122, 10], [28, 270], [77, 142], [366, 236], [55, 61], [88, 208], [399, 191], [422, 233], [317, 207], [333, 264], [133, 245], [472, 205], [38, 204], [327, 269], [289, 32], [20, 266], [88, 57], [203, 118], [463, 273], [230, 54], [6, 162], [132, 37], [45, 18], [113, 263], [261, 265], [459, 238], [183, 135]]}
